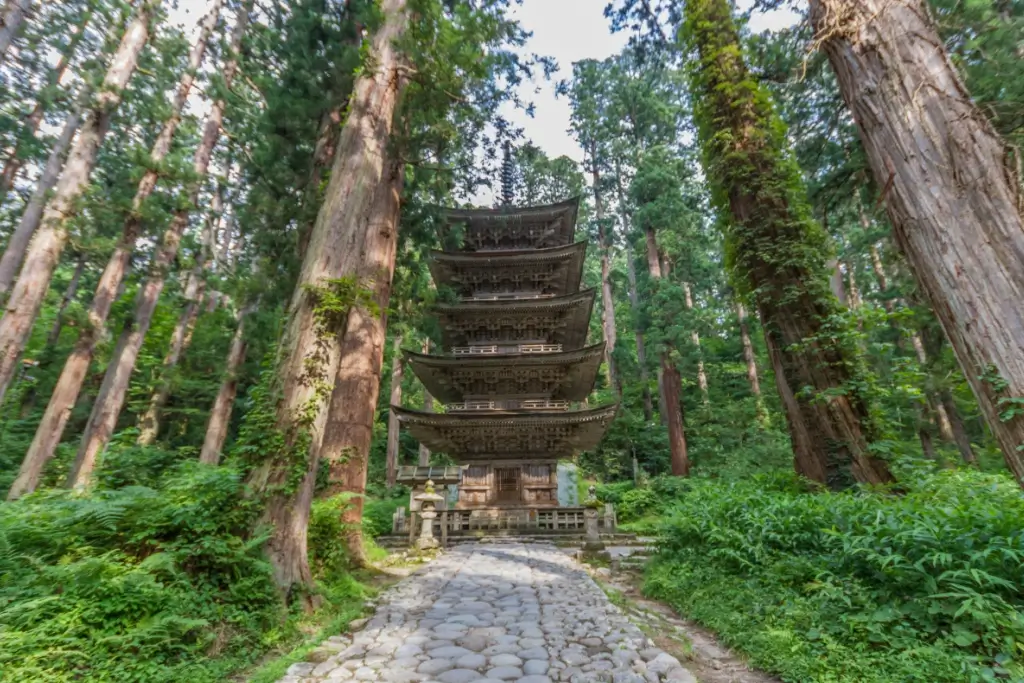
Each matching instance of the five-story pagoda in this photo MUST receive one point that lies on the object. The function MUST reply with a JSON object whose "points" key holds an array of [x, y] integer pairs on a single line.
{"points": [[515, 358]]}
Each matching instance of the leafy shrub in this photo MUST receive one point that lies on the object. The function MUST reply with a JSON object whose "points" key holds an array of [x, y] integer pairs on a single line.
{"points": [[134, 584], [866, 587]]}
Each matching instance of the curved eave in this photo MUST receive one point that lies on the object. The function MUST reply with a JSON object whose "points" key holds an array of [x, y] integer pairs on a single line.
{"points": [[540, 211], [576, 308], [485, 220], [480, 436], [445, 266], [440, 373]]}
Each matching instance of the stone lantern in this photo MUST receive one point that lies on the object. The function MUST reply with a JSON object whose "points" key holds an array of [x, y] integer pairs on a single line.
{"points": [[428, 502]]}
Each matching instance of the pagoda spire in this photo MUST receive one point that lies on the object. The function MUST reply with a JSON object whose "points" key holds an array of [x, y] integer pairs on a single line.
{"points": [[507, 175]]}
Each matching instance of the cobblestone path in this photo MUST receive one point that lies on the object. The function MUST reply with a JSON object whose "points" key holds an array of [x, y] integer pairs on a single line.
{"points": [[496, 612]]}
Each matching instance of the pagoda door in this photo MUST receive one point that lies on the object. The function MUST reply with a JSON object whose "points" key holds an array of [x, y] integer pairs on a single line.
{"points": [[507, 480]]}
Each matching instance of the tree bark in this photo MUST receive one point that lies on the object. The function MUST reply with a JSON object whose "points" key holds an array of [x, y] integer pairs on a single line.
{"points": [[65, 301], [107, 412], [354, 237], [48, 243], [751, 360], [607, 301], [669, 382], [349, 427], [11, 22], [17, 245], [836, 282], [702, 378], [220, 414], [953, 201], [181, 337], [14, 162], [855, 300], [634, 299], [78, 465], [779, 254], [69, 384], [428, 407], [397, 373]]}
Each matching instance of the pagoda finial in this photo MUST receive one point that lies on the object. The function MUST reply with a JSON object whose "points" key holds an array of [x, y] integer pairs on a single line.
{"points": [[507, 174]]}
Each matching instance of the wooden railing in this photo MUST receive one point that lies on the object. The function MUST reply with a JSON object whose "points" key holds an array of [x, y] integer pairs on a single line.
{"points": [[506, 296], [491, 349], [510, 404], [456, 522]]}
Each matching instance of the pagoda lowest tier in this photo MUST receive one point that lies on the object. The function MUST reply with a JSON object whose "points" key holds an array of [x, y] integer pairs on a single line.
{"points": [[509, 435], [514, 360]]}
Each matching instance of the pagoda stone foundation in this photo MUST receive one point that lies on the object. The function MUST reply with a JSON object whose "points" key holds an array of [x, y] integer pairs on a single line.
{"points": [[512, 374]]}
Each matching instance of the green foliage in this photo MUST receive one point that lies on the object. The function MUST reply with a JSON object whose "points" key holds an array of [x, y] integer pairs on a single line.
{"points": [[853, 586], [134, 584]]}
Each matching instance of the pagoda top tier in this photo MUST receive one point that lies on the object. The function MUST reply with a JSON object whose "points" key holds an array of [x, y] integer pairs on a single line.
{"points": [[507, 228], [508, 436], [565, 376], [555, 271], [559, 320]]}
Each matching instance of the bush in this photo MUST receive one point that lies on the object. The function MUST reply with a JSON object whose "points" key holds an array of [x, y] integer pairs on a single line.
{"points": [[134, 584], [865, 587]]}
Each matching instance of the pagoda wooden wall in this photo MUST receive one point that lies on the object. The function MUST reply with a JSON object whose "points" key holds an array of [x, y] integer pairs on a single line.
{"points": [[513, 483]]}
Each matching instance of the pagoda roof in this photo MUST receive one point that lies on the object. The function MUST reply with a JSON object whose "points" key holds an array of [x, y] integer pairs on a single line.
{"points": [[568, 375], [510, 227], [557, 320], [499, 435], [550, 271]]}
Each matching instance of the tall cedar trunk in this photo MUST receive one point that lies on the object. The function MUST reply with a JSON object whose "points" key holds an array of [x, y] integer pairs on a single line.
{"points": [[397, 372], [99, 431], [15, 162], [748, 168], [607, 301], [751, 360], [634, 299], [181, 336], [670, 391], [19, 240], [345, 242], [836, 283], [702, 377], [11, 22], [65, 301], [954, 204], [108, 378], [956, 423], [65, 393], [883, 280], [853, 290], [428, 407], [220, 413], [48, 243], [349, 428]]}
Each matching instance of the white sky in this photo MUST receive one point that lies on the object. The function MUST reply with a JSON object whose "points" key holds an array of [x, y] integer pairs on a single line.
{"points": [[568, 30]]}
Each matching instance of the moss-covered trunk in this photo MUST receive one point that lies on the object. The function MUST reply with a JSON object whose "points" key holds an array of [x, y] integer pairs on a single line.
{"points": [[778, 254]]}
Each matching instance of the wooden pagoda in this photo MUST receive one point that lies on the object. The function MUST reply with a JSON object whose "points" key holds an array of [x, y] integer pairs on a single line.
{"points": [[515, 364]]}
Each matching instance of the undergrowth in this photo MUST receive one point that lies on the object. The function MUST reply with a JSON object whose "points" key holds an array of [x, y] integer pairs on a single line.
{"points": [[157, 582], [849, 587]]}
